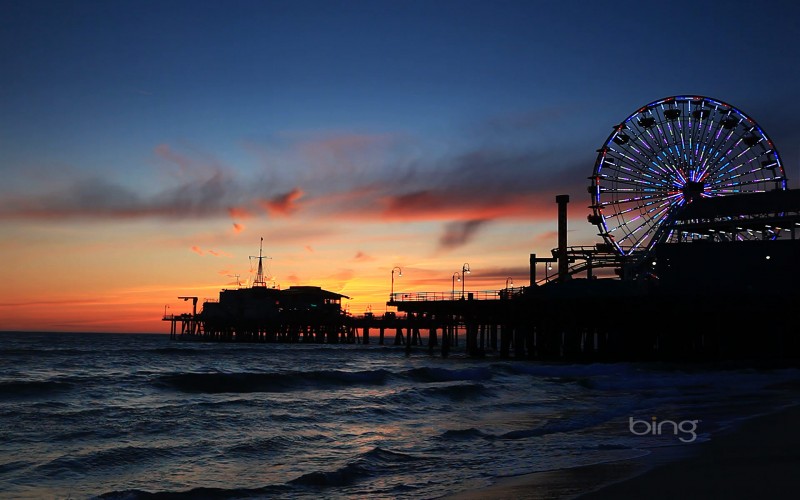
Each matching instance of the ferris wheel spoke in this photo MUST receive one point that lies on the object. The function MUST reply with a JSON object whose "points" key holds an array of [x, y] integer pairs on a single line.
{"points": [[735, 173], [639, 229], [725, 150], [634, 182], [732, 185], [650, 225], [628, 169], [638, 220], [632, 164], [715, 129], [635, 238], [636, 200], [659, 167], [669, 153], [633, 208]]}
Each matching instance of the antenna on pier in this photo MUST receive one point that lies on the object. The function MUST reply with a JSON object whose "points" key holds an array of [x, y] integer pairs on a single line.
{"points": [[260, 281]]}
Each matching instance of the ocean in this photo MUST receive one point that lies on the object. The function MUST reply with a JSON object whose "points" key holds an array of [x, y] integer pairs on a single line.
{"points": [[140, 416]]}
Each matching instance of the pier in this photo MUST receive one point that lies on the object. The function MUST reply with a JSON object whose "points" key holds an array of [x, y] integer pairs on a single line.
{"points": [[698, 300], [702, 254]]}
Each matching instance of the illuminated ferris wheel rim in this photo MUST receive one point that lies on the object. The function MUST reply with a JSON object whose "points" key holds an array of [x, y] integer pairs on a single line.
{"points": [[667, 154]]}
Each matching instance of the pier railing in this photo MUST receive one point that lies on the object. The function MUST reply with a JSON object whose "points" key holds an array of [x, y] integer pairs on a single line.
{"points": [[505, 293]]}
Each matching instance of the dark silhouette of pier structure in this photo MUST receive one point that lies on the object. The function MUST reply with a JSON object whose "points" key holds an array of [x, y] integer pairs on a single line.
{"points": [[702, 299], [700, 260]]}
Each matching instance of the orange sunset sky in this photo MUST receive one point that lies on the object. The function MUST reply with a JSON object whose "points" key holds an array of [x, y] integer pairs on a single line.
{"points": [[147, 147]]}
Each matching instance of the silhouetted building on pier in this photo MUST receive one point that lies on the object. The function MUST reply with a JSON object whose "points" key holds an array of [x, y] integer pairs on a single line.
{"points": [[270, 314], [700, 259], [265, 314]]}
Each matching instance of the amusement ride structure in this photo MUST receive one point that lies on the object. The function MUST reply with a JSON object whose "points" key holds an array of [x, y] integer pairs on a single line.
{"points": [[667, 155], [659, 176], [690, 198]]}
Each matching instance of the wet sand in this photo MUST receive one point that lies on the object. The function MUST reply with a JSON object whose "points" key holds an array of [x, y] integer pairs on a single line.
{"points": [[760, 459]]}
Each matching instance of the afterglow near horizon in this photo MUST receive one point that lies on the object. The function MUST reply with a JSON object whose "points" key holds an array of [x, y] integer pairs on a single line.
{"points": [[146, 147]]}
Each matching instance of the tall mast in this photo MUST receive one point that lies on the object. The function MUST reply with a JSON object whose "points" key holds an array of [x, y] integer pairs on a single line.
{"points": [[260, 281]]}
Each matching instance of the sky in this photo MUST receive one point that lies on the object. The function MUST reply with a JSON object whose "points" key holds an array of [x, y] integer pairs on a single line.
{"points": [[146, 147]]}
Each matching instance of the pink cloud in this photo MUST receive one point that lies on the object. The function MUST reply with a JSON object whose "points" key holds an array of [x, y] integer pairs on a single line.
{"points": [[239, 213], [362, 257], [215, 253], [283, 204]]}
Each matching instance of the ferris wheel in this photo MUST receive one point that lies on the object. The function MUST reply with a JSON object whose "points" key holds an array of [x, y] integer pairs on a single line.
{"points": [[669, 153]]}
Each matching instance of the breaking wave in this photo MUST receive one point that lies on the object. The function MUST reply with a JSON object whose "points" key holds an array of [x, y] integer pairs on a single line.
{"points": [[32, 388], [269, 382], [195, 493], [432, 374], [374, 462]]}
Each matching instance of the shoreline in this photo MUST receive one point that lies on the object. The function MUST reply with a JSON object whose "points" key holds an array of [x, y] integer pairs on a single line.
{"points": [[760, 458]]}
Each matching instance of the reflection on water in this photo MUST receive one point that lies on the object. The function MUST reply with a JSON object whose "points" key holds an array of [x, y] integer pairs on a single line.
{"points": [[98, 415]]}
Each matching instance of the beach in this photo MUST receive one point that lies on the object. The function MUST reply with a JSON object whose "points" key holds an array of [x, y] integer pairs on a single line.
{"points": [[758, 459]]}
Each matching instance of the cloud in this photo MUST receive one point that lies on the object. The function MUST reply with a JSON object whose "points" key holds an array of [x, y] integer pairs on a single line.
{"points": [[457, 234], [91, 197], [239, 213], [460, 205], [215, 253], [486, 184], [347, 178], [415, 202], [98, 198], [341, 148], [201, 189], [338, 280], [483, 185], [283, 204], [238, 228], [219, 253], [362, 257], [547, 237], [338, 159], [165, 152]]}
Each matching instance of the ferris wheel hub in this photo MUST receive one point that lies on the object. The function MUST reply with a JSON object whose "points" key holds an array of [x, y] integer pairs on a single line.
{"points": [[693, 190]]}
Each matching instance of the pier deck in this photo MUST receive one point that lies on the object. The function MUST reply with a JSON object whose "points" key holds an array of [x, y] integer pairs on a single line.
{"points": [[716, 297]]}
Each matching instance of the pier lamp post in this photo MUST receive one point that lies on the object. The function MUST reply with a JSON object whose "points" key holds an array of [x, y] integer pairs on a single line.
{"points": [[505, 293], [166, 306], [456, 277], [399, 275], [464, 271]]}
